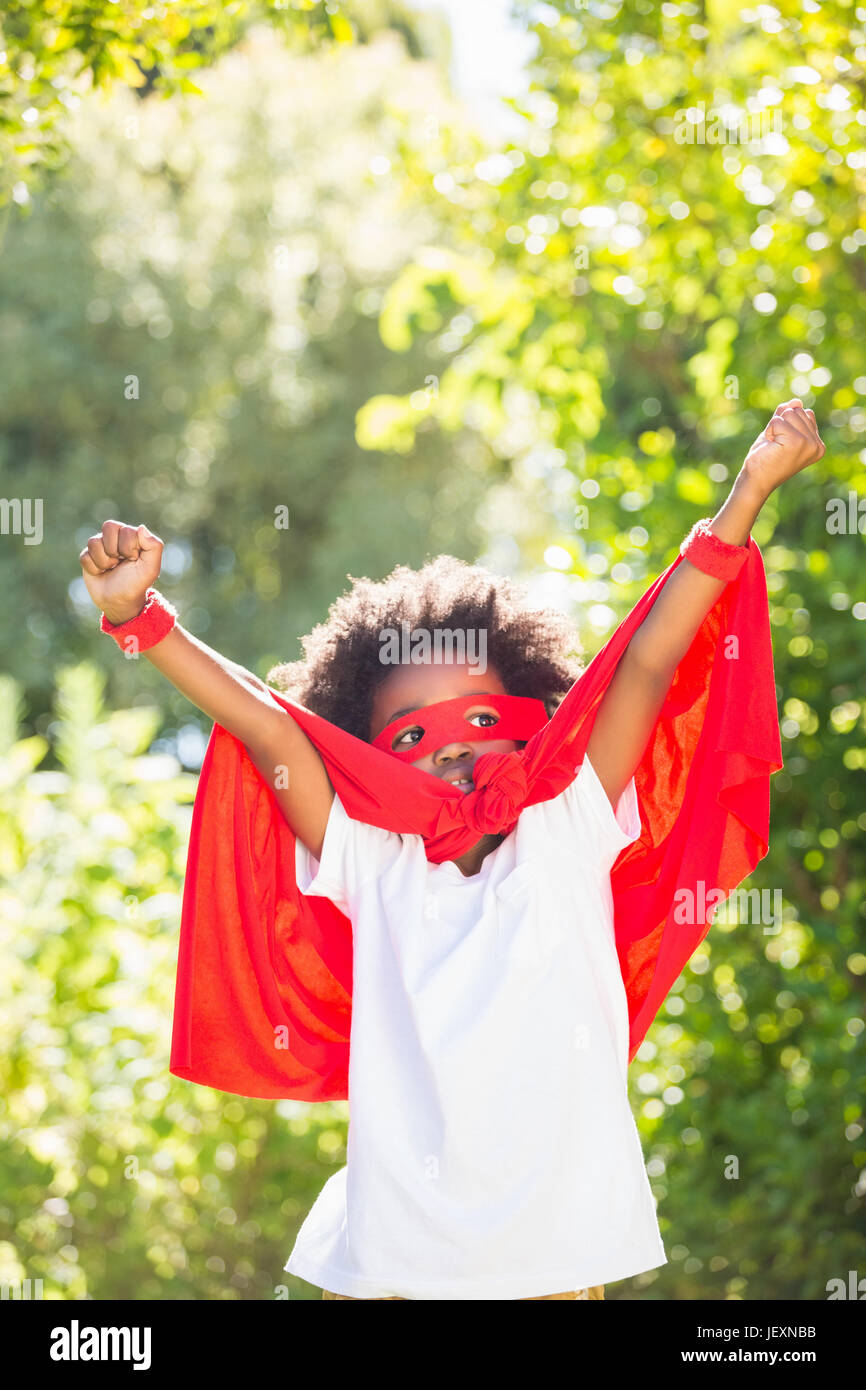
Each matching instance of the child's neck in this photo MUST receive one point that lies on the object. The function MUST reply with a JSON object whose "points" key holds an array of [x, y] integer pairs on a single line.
{"points": [[470, 862]]}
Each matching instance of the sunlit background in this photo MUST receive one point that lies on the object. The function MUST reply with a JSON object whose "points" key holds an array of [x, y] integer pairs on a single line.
{"points": [[520, 285]]}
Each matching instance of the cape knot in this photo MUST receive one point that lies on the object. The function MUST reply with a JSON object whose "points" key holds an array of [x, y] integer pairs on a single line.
{"points": [[501, 787]]}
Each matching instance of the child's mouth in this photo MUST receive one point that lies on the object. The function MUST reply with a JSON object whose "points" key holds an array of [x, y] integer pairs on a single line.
{"points": [[464, 783]]}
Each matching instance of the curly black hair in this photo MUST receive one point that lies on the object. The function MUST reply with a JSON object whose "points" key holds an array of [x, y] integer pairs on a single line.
{"points": [[535, 651]]}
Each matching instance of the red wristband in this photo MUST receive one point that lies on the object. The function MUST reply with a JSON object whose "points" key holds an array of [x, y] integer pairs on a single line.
{"points": [[708, 552], [148, 627]]}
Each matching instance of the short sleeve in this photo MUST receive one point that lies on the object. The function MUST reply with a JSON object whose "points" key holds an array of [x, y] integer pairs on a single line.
{"points": [[593, 821], [352, 853]]}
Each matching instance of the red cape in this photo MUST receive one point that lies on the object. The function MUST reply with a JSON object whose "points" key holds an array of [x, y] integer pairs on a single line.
{"points": [[264, 978]]}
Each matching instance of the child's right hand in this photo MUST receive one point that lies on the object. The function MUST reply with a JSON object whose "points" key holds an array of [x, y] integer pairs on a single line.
{"points": [[119, 566]]}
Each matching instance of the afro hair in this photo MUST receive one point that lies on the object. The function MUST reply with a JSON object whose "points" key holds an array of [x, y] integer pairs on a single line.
{"points": [[536, 652]]}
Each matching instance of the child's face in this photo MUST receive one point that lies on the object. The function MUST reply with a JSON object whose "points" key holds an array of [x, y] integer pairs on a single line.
{"points": [[412, 687]]}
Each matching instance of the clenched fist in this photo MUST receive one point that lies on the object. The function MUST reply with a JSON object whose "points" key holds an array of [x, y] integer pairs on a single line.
{"points": [[119, 566], [789, 443]]}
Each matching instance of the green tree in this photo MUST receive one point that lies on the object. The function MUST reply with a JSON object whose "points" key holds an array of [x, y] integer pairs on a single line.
{"points": [[51, 54], [190, 318], [118, 1180]]}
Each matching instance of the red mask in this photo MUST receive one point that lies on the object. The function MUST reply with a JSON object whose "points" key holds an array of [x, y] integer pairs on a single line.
{"points": [[444, 722]]}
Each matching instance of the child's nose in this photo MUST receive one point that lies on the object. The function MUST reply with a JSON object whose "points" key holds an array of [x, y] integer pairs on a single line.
{"points": [[452, 750]]}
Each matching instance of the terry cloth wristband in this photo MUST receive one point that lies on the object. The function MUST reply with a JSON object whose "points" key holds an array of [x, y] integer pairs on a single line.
{"points": [[148, 627], [708, 552]]}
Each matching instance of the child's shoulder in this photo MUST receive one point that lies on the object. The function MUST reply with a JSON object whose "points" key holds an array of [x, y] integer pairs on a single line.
{"points": [[580, 820]]}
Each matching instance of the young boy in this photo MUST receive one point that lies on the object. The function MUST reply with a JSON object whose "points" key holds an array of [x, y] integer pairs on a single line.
{"points": [[488, 1157]]}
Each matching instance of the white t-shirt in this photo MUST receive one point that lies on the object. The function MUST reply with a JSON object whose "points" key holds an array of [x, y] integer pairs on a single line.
{"points": [[492, 1152]]}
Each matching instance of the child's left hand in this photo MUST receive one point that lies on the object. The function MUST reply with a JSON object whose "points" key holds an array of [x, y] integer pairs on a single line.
{"points": [[789, 443]]}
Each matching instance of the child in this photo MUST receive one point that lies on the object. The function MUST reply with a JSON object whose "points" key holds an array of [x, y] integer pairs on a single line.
{"points": [[492, 1153]]}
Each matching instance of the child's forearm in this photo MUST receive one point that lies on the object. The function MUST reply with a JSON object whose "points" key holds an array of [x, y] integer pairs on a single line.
{"points": [[787, 445], [665, 635], [224, 691], [119, 566]]}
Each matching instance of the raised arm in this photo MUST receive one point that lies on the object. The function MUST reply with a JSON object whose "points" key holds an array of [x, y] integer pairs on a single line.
{"points": [[631, 704], [118, 567]]}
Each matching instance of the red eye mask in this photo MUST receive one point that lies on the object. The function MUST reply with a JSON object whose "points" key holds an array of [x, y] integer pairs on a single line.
{"points": [[519, 718]]}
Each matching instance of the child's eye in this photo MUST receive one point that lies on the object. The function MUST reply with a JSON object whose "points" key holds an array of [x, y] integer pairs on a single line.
{"points": [[493, 717], [415, 729]]}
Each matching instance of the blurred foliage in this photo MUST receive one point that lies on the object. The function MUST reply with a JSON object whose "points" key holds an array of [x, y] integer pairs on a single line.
{"points": [[51, 53], [578, 336], [677, 289], [190, 324], [118, 1180], [618, 310]]}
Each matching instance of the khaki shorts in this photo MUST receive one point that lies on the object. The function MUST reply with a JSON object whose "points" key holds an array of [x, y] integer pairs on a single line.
{"points": [[594, 1291]]}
